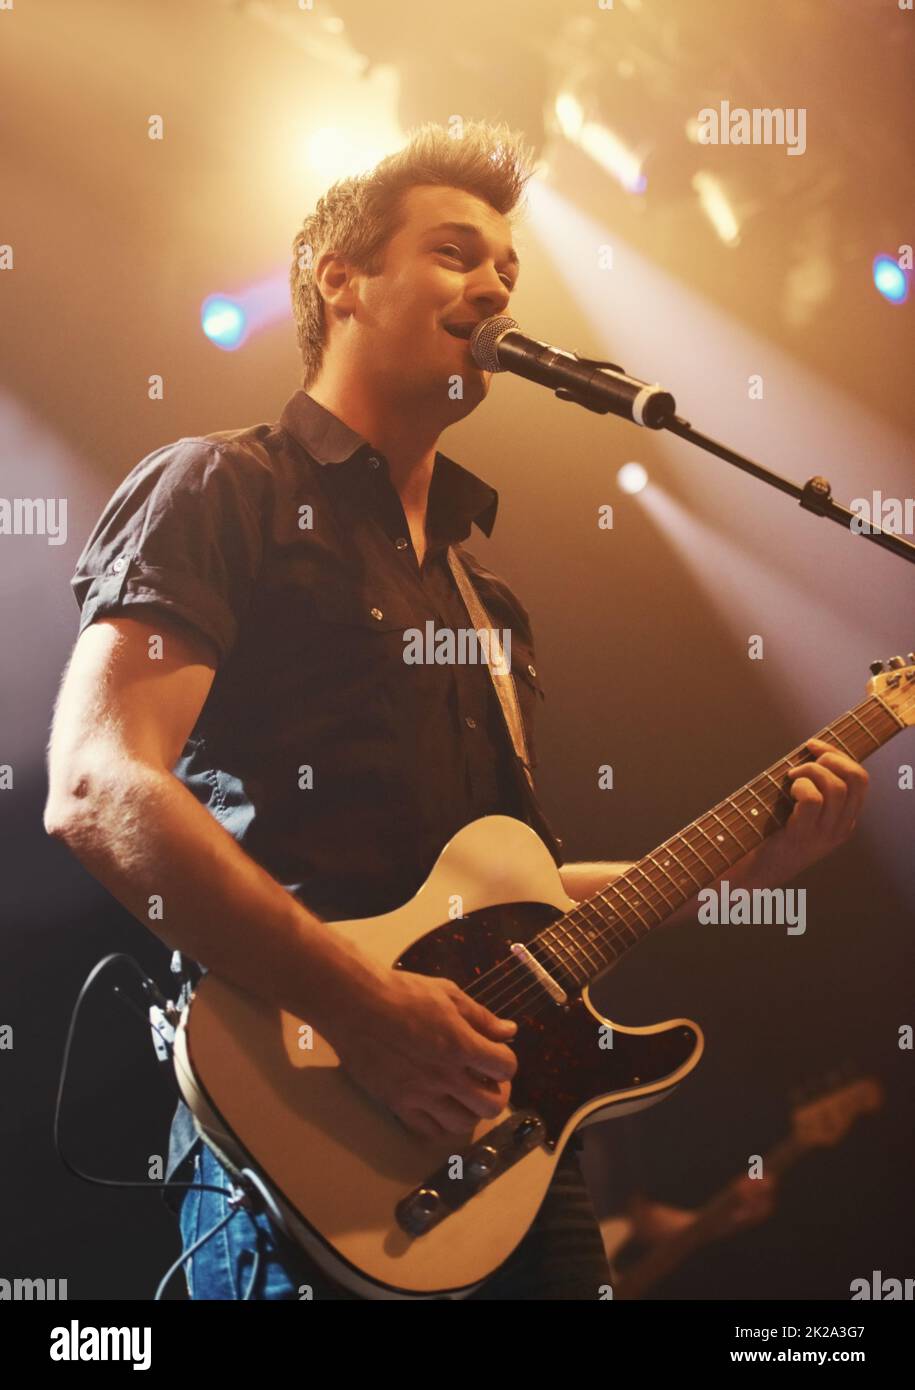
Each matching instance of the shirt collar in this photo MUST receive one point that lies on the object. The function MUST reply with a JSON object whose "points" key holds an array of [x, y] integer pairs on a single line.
{"points": [[457, 497]]}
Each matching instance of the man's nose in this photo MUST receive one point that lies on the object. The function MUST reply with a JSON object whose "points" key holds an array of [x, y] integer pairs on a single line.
{"points": [[489, 295]]}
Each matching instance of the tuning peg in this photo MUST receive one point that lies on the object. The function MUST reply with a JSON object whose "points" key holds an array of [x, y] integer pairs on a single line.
{"points": [[875, 668], [895, 662], [911, 658]]}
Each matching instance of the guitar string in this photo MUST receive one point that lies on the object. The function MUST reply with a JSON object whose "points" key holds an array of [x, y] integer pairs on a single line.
{"points": [[532, 986], [488, 991], [615, 933]]}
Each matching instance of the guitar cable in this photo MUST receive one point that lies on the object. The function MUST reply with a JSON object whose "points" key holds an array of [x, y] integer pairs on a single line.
{"points": [[163, 1019]]}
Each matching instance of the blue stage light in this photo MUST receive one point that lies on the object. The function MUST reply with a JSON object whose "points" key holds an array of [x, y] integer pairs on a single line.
{"points": [[891, 280], [224, 322]]}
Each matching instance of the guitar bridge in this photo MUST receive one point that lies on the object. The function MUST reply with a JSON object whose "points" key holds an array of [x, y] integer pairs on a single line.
{"points": [[442, 1193]]}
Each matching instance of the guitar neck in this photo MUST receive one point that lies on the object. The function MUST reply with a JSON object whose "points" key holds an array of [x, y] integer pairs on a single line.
{"points": [[596, 933], [708, 1226]]}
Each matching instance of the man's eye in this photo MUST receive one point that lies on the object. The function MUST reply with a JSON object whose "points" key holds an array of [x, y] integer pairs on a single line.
{"points": [[458, 255]]}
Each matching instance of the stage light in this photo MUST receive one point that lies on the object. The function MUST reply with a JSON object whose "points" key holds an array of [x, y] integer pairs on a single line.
{"points": [[891, 280], [335, 153], [600, 143], [224, 322], [717, 207], [632, 478], [569, 115]]}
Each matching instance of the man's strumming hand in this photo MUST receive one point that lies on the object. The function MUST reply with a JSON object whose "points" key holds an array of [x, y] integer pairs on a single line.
{"points": [[435, 1057]]}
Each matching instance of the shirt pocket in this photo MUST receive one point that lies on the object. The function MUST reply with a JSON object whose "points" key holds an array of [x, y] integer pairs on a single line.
{"points": [[355, 683], [357, 637]]}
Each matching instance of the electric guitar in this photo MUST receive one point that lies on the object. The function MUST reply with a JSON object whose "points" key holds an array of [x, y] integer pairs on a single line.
{"points": [[818, 1124], [392, 1215]]}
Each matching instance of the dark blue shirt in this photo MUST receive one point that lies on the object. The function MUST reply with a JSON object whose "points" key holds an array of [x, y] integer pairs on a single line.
{"points": [[338, 766]]}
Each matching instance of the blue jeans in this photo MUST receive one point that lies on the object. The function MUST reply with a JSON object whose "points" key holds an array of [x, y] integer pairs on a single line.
{"points": [[561, 1257]]}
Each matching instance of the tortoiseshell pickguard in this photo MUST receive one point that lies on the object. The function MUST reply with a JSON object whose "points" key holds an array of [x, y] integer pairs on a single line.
{"points": [[561, 1060]]}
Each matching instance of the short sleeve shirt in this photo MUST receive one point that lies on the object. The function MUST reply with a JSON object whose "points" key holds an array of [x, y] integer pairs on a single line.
{"points": [[339, 766]]}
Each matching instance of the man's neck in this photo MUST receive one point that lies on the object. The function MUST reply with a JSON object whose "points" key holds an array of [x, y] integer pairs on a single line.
{"points": [[397, 432]]}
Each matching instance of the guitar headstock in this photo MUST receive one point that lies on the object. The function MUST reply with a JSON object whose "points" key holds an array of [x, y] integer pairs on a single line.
{"points": [[894, 682], [824, 1122]]}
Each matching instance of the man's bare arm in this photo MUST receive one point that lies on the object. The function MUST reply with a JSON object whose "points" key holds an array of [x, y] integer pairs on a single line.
{"points": [[584, 879], [121, 721], [420, 1045]]}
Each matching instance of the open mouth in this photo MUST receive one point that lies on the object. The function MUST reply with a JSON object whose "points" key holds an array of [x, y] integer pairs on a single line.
{"points": [[459, 330]]}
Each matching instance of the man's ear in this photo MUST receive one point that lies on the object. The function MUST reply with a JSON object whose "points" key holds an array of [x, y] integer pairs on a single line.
{"points": [[333, 276]]}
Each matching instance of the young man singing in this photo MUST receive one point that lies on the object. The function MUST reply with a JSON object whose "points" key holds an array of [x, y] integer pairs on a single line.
{"points": [[243, 600]]}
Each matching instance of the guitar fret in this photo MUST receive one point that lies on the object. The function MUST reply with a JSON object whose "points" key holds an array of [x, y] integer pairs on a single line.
{"points": [[682, 866], [551, 931], [617, 916], [715, 815], [732, 802], [891, 712], [845, 747], [587, 939], [877, 742], [781, 791], [666, 875], [597, 917], [707, 867], [768, 810], [632, 905], [578, 958], [646, 900], [711, 841]]}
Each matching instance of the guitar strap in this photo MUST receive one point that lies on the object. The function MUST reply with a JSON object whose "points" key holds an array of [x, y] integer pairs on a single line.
{"points": [[507, 695]]}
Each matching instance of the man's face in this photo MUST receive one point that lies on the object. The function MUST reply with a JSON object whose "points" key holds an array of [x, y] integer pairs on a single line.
{"points": [[434, 274]]}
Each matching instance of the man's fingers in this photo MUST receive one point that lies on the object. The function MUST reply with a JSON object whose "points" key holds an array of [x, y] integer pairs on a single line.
{"points": [[418, 1122], [451, 1114], [815, 783], [852, 774], [493, 1059]]}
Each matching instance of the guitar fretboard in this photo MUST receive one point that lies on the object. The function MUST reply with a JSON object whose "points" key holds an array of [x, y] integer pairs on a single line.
{"points": [[584, 942]]}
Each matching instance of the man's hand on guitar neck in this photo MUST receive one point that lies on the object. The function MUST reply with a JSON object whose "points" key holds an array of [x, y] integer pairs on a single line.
{"points": [[830, 794]]}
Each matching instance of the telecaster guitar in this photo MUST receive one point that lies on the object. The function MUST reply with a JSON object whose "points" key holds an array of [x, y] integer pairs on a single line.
{"points": [[391, 1215]]}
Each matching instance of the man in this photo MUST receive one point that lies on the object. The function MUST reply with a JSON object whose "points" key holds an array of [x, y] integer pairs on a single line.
{"points": [[238, 740]]}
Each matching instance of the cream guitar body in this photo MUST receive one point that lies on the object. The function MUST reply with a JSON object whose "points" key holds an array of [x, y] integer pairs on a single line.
{"points": [[270, 1095]]}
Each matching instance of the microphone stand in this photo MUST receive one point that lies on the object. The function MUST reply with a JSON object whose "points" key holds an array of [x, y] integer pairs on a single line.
{"points": [[815, 496]]}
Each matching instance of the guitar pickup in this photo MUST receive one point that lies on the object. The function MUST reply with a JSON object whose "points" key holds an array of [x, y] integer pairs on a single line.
{"points": [[540, 974]]}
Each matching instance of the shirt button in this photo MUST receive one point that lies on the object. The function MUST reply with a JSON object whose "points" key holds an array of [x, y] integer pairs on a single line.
{"points": [[470, 721], [374, 462], [377, 614], [117, 565], [401, 542], [531, 671]]}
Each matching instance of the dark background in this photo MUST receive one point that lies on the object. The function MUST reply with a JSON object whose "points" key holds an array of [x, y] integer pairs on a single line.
{"points": [[118, 240]]}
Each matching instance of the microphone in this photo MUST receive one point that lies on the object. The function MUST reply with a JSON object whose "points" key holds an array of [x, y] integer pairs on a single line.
{"points": [[498, 345]]}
